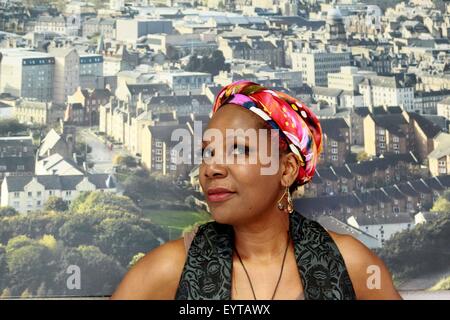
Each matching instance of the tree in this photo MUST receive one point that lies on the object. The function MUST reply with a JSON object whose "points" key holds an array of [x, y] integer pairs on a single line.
{"points": [[124, 238], [41, 291], [55, 204], [421, 250], [3, 267], [124, 160], [350, 157], [9, 126], [6, 293], [362, 156], [212, 63], [78, 230], [442, 204], [82, 147], [26, 294], [106, 202], [29, 266], [194, 63], [8, 212], [99, 273]]}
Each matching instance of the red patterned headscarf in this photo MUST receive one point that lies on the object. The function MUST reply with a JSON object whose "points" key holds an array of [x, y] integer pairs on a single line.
{"points": [[294, 120]]}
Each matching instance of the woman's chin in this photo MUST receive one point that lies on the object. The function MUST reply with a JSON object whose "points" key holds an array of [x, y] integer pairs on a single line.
{"points": [[221, 215]]}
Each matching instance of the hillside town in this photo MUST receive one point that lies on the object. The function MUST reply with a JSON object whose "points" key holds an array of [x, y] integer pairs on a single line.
{"points": [[119, 77]]}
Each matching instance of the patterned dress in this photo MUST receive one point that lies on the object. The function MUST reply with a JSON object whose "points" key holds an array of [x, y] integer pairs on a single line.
{"points": [[208, 269]]}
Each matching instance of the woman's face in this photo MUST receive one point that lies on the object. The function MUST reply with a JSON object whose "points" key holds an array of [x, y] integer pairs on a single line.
{"points": [[236, 191]]}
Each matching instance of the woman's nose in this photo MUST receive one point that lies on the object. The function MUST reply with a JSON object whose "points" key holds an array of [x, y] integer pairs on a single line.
{"points": [[215, 170]]}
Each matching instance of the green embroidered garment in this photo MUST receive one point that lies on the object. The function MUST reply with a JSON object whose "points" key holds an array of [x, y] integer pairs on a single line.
{"points": [[208, 269]]}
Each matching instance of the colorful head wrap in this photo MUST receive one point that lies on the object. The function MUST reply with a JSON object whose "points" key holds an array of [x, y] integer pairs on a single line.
{"points": [[294, 120]]}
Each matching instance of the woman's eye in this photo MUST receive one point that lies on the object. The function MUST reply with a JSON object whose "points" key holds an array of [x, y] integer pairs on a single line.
{"points": [[207, 152], [240, 149]]}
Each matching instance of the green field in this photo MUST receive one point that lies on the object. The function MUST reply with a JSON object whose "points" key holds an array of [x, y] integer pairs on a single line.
{"points": [[176, 221]]}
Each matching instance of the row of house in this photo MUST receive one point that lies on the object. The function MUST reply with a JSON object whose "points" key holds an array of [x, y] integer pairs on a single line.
{"points": [[392, 206], [30, 175]]}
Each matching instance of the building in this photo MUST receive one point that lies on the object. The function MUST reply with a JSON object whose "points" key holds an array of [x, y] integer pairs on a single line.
{"points": [[90, 102], [69, 26], [184, 105], [91, 71], [335, 27], [332, 224], [443, 109], [425, 102], [336, 141], [393, 198], [130, 30], [16, 156], [395, 90], [116, 4], [347, 79], [424, 133], [439, 158], [104, 27], [399, 131], [426, 217], [27, 74], [327, 96], [156, 149], [254, 48], [54, 143], [182, 82], [315, 65], [57, 165], [36, 112], [357, 125], [387, 133], [30, 193], [382, 227], [67, 72]]}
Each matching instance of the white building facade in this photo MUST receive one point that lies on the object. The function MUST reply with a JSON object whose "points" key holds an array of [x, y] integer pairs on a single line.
{"points": [[30, 193]]}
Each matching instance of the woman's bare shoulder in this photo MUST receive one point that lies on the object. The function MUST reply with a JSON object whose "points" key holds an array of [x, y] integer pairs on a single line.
{"points": [[370, 277], [156, 275]]}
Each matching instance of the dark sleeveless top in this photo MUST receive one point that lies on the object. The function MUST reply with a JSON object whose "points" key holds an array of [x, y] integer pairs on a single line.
{"points": [[208, 269]]}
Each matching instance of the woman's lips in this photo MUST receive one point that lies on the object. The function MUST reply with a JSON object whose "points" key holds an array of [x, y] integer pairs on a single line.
{"points": [[217, 197]]}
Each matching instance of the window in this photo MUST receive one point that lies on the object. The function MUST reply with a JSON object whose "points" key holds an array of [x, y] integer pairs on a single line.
{"points": [[39, 193], [16, 194], [159, 144], [30, 194]]}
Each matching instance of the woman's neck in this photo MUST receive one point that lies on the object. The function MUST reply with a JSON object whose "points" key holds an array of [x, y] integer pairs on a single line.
{"points": [[264, 239]]}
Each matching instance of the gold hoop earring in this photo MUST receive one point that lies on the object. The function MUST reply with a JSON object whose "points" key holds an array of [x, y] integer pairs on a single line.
{"points": [[290, 206]]}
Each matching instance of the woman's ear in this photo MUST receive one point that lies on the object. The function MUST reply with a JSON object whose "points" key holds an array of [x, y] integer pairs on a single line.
{"points": [[291, 166]]}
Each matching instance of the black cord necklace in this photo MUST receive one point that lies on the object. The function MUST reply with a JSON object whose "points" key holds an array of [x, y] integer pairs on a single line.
{"points": [[279, 277]]}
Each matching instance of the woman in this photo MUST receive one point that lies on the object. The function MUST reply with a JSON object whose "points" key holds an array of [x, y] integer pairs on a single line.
{"points": [[258, 246]]}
